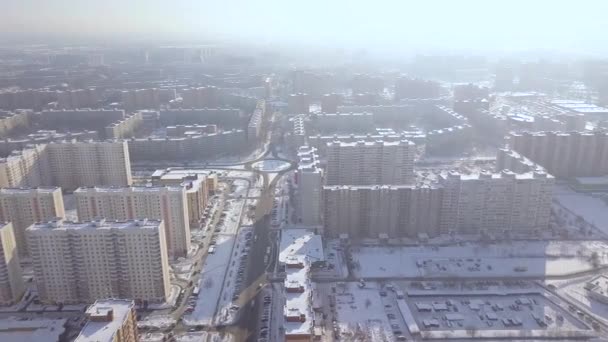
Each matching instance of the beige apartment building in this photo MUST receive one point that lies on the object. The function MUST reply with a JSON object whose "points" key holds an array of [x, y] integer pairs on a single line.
{"points": [[382, 210], [370, 162], [11, 278], [110, 320], [83, 262], [197, 192], [167, 203], [68, 164], [25, 206], [495, 202]]}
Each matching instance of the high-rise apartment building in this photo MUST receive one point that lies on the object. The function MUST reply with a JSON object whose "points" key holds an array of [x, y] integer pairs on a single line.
{"points": [[167, 203], [25, 206], [369, 211], [110, 320], [310, 186], [68, 164], [370, 163], [11, 279], [83, 262], [564, 155], [88, 163], [495, 202]]}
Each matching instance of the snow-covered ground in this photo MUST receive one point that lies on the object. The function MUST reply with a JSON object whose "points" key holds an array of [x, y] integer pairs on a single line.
{"points": [[575, 290], [156, 321], [271, 165], [521, 258], [360, 314], [211, 282], [589, 207], [232, 284], [229, 224]]}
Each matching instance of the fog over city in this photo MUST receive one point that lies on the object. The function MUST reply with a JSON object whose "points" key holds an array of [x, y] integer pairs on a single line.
{"points": [[298, 171], [469, 25]]}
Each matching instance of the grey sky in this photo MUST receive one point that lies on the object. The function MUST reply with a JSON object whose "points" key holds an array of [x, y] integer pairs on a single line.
{"points": [[463, 24]]}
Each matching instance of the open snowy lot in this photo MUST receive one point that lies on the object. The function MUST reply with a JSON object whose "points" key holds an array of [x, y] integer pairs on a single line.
{"points": [[590, 208], [211, 282]]}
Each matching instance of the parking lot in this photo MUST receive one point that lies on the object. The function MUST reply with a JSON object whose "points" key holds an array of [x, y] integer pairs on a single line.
{"points": [[529, 312]]}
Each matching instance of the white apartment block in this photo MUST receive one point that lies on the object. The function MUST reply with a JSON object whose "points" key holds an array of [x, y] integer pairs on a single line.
{"points": [[390, 210], [11, 279], [68, 164], [370, 163], [495, 202], [310, 186], [82, 262], [167, 203], [25, 206]]}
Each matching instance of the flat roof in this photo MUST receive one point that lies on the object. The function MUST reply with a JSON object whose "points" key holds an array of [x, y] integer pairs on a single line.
{"points": [[35, 330], [104, 331], [101, 224]]}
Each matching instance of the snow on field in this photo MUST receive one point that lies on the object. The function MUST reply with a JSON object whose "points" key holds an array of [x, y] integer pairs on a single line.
{"points": [[156, 321], [534, 258], [592, 209], [576, 291], [361, 315], [231, 220], [271, 165], [212, 276], [225, 315], [199, 336], [240, 188]]}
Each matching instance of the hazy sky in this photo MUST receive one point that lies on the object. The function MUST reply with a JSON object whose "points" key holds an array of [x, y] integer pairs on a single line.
{"points": [[555, 24]]}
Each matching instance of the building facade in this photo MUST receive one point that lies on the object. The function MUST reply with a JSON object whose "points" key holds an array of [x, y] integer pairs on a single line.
{"points": [[495, 202], [25, 206], [371, 211], [310, 186], [83, 262], [11, 278], [370, 163], [167, 203]]}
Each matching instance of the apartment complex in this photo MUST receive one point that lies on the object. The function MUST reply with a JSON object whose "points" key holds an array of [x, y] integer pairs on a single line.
{"points": [[77, 98], [256, 121], [167, 203], [298, 104], [309, 178], [80, 118], [565, 155], [188, 148], [392, 210], [11, 279], [43, 136], [68, 164], [201, 97], [110, 320], [25, 168], [370, 163], [10, 121], [134, 99], [495, 202], [25, 206], [219, 116], [83, 262], [197, 192], [124, 128], [342, 122]]}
